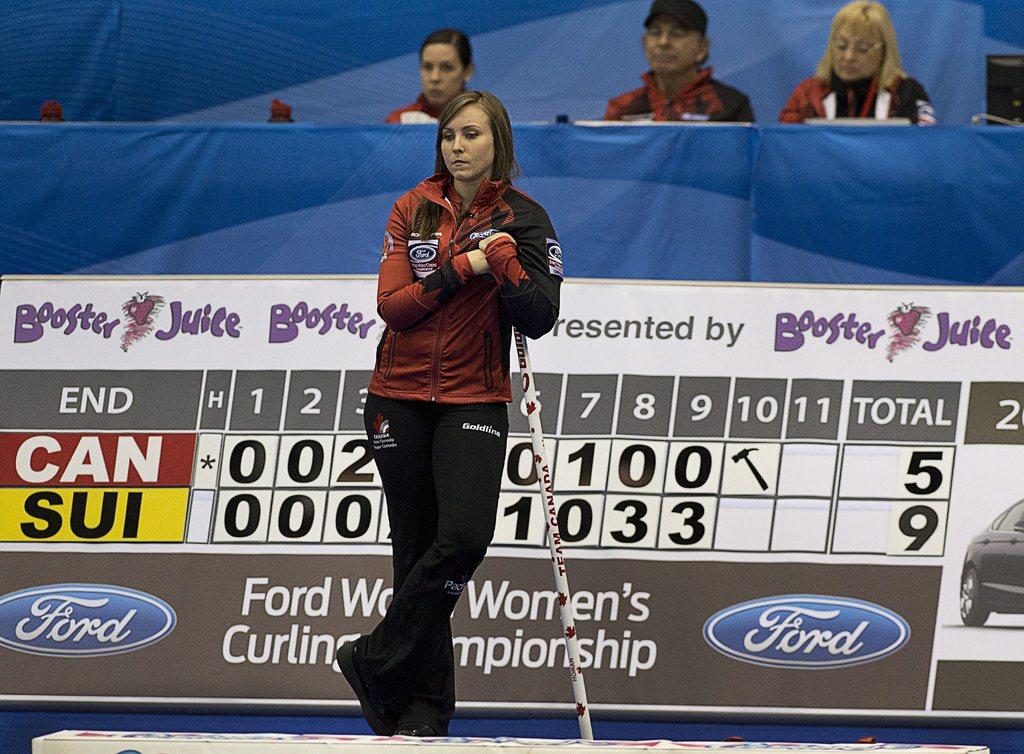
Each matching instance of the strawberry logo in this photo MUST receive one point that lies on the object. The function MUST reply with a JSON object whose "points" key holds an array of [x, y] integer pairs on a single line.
{"points": [[905, 325], [906, 320], [140, 312]]}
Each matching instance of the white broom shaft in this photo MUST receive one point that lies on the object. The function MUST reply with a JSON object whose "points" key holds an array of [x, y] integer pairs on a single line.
{"points": [[544, 479]]}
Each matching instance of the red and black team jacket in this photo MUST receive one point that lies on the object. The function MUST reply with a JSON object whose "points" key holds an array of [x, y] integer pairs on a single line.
{"points": [[448, 331], [907, 99], [704, 98]]}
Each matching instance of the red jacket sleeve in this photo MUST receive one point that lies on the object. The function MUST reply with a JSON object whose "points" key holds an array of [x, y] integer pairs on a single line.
{"points": [[402, 300], [800, 106], [528, 272]]}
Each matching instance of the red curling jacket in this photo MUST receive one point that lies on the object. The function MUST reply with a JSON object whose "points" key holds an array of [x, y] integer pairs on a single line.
{"points": [[449, 331], [906, 100], [419, 106], [703, 99]]}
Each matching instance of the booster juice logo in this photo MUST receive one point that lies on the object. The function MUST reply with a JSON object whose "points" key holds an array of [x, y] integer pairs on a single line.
{"points": [[908, 325], [791, 330], [285, 321], [905, 325], [141, 311], [986, 333], [200, 321], [30, 322]]}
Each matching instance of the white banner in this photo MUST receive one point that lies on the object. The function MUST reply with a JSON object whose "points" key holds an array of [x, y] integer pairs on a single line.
{"points": [[751, 480]]}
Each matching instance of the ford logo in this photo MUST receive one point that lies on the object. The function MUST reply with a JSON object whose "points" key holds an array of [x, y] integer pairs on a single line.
{"points": [[806, 631], [422, 253], [76, 620]]}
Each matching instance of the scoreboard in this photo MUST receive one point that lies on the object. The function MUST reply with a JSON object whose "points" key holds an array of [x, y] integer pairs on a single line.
{"points": [[726, 438], [640, 462]]}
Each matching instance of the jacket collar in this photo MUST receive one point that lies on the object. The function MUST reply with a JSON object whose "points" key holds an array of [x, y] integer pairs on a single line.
{"points": [[651, 83], [438, 189], [424, 103], [886, 101]]}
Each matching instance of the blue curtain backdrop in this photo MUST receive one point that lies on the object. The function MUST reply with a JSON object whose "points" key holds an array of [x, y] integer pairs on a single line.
{"points": [[771, 203], [223, 60]]}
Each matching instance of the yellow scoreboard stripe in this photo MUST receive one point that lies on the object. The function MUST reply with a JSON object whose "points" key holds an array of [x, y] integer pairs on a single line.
{"points": [[93, 515]]}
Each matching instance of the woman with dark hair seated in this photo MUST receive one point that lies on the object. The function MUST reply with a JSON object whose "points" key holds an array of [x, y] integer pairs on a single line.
{"points": [[446, 65], [861, 74]]}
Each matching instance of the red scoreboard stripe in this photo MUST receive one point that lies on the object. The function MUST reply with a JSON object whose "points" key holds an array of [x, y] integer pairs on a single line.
{"points": [[96, 460]]}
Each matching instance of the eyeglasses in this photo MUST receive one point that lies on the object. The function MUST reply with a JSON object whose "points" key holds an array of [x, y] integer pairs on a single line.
{"points": [[860, 48]]}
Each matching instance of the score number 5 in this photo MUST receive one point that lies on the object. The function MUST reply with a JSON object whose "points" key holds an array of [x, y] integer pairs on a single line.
{"points": [[925, 472]]}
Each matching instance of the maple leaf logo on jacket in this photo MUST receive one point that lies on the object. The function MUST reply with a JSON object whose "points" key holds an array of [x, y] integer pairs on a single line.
{"points": [[905, 325]]}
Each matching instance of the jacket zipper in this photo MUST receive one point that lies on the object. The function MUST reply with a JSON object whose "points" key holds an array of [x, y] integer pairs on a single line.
{"points": [[435, 363], [469, 231], [488, 376], [391, 355]]}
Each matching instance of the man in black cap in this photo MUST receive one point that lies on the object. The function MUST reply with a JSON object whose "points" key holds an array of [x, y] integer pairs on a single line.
{"points": [[677, 87]]}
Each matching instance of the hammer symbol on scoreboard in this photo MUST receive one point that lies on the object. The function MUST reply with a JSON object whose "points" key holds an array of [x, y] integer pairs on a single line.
{"points": [[743, 455]]}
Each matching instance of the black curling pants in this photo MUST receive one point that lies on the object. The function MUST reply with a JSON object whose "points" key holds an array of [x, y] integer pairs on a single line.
{"points": [[440, 465]]}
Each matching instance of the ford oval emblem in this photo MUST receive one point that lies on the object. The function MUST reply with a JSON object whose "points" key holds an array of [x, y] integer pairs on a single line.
{"points": [[806, 631], [422, 253], [77, 620]]}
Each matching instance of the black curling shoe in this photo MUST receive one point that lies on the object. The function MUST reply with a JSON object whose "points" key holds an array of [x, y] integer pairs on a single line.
{"points": [[381, 720]]}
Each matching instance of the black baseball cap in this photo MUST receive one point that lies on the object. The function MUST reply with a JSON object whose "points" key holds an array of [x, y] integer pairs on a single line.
{"points": [[686, 12]]}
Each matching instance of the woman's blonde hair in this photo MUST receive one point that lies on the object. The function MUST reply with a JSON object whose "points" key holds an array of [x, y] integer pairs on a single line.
{"points": [[427, 217], [860, 16]]}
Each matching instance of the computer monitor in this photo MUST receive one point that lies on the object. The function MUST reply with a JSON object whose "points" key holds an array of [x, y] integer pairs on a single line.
{"points": [[1006, 87]]}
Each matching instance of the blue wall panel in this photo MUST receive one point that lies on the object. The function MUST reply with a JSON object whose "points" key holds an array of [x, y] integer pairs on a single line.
{"points": [[772, 203]]}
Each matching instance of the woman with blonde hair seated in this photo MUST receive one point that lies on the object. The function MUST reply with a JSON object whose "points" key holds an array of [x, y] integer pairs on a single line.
{"points": [[861, 74]]}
